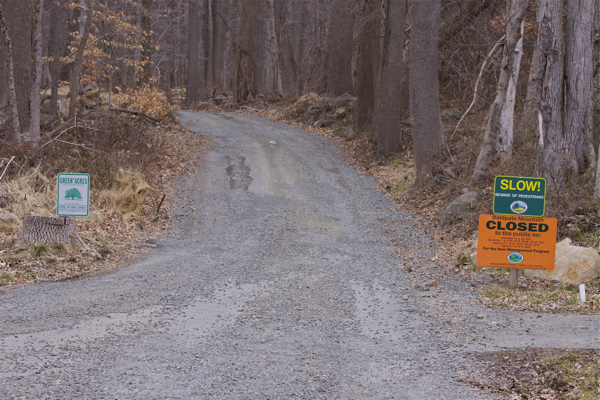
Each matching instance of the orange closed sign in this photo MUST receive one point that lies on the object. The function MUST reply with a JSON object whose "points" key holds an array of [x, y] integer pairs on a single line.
{"points": [[507, 241]]}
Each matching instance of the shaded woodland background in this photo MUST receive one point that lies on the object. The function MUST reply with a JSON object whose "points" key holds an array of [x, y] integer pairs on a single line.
{"points": [[515, 78]]}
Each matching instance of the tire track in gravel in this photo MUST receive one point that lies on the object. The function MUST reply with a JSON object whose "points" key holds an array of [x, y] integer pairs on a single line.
{"points": [[278, 282]]}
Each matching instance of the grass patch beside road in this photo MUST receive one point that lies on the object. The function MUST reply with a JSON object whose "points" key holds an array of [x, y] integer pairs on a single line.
{"points": [[540, 296]]}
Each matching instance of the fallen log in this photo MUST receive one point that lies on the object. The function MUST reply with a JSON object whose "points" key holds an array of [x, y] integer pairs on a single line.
{"points": [[133, 112]]}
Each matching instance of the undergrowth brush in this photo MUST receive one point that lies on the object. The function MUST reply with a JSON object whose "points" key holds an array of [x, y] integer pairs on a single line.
{"points": [[132, 164]]}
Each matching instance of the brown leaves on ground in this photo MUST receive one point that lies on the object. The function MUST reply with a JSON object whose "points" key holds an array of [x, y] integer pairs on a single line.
{"points": [[552, 374]]}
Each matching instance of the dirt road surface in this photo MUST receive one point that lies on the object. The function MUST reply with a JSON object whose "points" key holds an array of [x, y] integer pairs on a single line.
{"points": [[277, 282]]}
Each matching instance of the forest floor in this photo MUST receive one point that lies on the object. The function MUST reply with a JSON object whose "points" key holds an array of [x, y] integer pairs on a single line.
{"points": [[118, 238]]}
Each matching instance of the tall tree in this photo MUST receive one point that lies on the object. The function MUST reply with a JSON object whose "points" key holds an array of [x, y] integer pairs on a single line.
{"points": [[191, 93], [19, 23], [262, 46], [218, 42], [369, 52], [15, 129], [207, 32], [341, 30], [34, 93], [245, 71], [146, 25], [428, 137], [288, 61], [231, 43], [551, 157], [3, 81], [59, 14], [579, 87], [86, 25], [498, 140], [392, 94]]}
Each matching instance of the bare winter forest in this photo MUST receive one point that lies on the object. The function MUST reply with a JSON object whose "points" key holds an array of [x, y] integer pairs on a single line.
{"points": [[530, 66], [463, 89], [432, 97]]}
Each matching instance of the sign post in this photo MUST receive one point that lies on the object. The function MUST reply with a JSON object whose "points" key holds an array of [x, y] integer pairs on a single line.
{"points": [[516, 236], [73, 195]]}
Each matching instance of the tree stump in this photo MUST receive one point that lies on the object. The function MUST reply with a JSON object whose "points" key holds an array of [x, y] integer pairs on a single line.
{"points": [[49, 229]]}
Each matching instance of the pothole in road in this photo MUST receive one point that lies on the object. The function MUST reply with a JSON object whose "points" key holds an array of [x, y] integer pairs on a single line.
{"points": [[239, 174]]}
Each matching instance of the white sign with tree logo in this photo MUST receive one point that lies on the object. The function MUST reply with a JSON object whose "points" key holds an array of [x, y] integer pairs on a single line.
{"points": [[73, 195]]}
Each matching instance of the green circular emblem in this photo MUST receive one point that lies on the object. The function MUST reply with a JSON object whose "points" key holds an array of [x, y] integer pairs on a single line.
{"points": [[518, 207], [515, 258]]}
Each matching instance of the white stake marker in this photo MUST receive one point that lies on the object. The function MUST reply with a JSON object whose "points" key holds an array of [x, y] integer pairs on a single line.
{"points": [[582, 292]]}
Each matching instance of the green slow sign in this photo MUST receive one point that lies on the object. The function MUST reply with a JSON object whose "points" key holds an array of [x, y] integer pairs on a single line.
{"points": [[515, 195]]}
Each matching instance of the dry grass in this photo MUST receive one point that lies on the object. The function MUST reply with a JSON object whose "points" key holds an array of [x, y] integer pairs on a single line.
{"points": [[131, 167], [128, 196], [28, 193], [536, 295]]}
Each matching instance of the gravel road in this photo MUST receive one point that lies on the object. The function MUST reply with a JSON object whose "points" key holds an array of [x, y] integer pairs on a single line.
{"points": [[277, 282]]}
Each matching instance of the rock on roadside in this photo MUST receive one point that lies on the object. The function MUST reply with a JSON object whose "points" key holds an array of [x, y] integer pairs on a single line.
{"points": [[573, 264], [458, 209]]}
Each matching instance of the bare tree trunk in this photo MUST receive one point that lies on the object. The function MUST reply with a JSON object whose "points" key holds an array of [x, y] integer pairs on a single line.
{"points": [[232, 34], [597, 94], [341, 30], [551, 157], [300, 43], [78, 62], [276, 82], [19, 27], [191, 93], [245, 75], [58, 42], [527, 125], [218, 42], [262, 47], [498, 140], [267, 54], [288, 64], [315, 48], [579, 84], [146, 25], [428, 136], [15, 130], [3, 74], [34, 95], [391, 100], [324, 38], [369, 49], [3, 82], [207, 33]]}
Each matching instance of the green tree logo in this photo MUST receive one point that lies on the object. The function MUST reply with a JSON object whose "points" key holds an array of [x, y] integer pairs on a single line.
{"points": [[73, 194]]}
